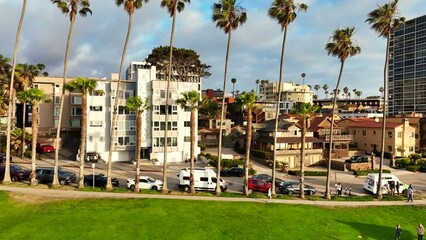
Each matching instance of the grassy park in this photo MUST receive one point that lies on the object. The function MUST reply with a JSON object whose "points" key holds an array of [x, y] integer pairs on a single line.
{"points": [[184, 219]]}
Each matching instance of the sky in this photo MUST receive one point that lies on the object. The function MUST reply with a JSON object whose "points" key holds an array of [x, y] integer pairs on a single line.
{"points": [[97, 40]]}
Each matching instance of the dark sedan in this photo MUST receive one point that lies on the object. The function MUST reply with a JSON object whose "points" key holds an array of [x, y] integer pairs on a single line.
{"points": [[100, 181], [233, 172], [17, 173], [357, 159], [291, 188]]}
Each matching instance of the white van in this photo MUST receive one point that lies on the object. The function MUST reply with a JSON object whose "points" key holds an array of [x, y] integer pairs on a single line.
{"points": [[372, 181], [204, 179]]}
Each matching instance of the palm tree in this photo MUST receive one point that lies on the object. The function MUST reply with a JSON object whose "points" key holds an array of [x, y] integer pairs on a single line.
{"points": [[285, 12], [233, 81], [71, 8], [317, 87], [173, 7], [33, 96], [24, 99], [341, 45], [346, 91], [136, 104], [129, 6], [228, 15], [191, 100], [209, 108], [83, 86], [7, 179], [381, 90], [257, 86], [325, 88], [305, 111], [384, 20], [247, 101], [358, 94]]}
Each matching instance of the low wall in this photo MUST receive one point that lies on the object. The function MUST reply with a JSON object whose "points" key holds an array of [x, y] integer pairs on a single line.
{"points": [[358, 166]]}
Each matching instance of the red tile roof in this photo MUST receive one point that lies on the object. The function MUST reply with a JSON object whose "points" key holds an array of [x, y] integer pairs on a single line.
{"points": [[373, 124]]}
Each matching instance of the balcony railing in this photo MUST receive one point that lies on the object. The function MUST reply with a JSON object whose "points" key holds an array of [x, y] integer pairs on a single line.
{"points": [[297, 151], [337, 137]]}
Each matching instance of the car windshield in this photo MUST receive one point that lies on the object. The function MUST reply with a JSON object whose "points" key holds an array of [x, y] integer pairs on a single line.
{"points": [[15, 167], [62, 171], [150, 179]]}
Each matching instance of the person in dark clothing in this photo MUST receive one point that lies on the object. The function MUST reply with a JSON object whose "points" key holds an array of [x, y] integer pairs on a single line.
{"points": [[398, 232], [397, 187], [392, 187]]}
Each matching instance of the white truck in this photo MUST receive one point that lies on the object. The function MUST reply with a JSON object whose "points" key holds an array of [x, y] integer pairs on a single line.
{"points": [[204, 179], [372, 181]]}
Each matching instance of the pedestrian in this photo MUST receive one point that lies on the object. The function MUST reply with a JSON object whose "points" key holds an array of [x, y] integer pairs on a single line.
{"points": [[410, 192], [398, 232], [269, 195], [420, 232], [397, 187], [392, 187], [339, 189]]}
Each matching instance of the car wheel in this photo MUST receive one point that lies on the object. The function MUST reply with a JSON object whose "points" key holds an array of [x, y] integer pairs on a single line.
{"points": [[62, 182], [250, 191], [132, 187], [310, 193], [154, 188], [187, 189], [14, 179]]}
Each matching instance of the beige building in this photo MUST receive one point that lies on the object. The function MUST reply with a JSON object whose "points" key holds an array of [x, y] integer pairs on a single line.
{"points": [[290, 91], [399, 137]]}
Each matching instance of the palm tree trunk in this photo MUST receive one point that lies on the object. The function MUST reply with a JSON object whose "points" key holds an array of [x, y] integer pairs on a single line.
{"points": [[24, 105], [302, 160], [33, 144], [330, 149], [191, 177], [248, 146], [83, 138], [114, 112], [138, 150], [277, 113], [222, 112], [7, 179], [55, 182], [382, 149], [166, 118]]}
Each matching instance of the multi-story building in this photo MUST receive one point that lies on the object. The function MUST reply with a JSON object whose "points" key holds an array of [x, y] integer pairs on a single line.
{"points": [[144, 81], [407, 68]]}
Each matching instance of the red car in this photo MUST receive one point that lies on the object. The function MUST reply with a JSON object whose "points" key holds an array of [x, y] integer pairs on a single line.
{"points": [[44, 148], [258, 185]]}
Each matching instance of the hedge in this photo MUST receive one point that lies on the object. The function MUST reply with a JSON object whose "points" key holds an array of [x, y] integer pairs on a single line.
{"points": [[262, 154], [366, 172], [402, 162], [226, 163], [202, 146], [413, 168], [307, 173]]}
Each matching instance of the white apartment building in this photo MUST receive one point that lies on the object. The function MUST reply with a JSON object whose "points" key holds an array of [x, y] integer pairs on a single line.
{"points": [[143, 81], [290, 93]]}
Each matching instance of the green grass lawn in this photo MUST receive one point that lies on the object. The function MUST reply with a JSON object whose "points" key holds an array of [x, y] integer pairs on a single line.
{"points": [[184, 219]]}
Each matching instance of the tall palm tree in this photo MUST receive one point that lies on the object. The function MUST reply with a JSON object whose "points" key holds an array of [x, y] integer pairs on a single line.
{"points": [[25, 75], [129, 6], [346, 91], [228, 15], [247, 101], [358, 94], [317, 87], [304, 111], [342, 46], [384, 20], [33, 96], [233, 81], [136, 104], [84, 86], [24, 99], [173, 7], [325, 88], [285, 12], [191, 100], [70, 8], [257, 86], [7, 179]]}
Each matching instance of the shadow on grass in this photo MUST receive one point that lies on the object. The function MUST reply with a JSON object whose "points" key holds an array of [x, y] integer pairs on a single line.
{"points": [[373, 231]]}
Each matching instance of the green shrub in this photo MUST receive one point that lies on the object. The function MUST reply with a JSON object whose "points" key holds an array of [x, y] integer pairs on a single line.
{"points": [[366, 172], [27, 154], [307, 173], [420, 162], [251, 171], [226, 163], [202, 146], [413, 168], [415, 156], [262, 154], [402, 162]]}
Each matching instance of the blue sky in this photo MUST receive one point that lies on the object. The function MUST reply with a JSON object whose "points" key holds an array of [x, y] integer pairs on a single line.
{"points": [[255, 54]]}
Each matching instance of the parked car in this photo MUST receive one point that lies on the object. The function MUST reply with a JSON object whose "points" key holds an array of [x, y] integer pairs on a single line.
{"points": [[145, 182], [45, 175], [291, 188], [100, 181], [233, 172], [258, 185], [357, 159], [44, 148], [17, 173], [268, 179]]}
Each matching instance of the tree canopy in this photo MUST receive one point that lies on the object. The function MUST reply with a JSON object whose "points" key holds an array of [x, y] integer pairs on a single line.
{"points": [[187, 65]]}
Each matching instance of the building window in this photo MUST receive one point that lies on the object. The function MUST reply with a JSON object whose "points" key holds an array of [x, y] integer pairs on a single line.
{"points": [[411, 149], [187, 139], [75, 122], [56, 111], [399, 134], [295, 132], [171, 142], [76, 111], [76, 100], [90, 138], [389, 134], [187, 124], [57, 99], [35, 86], [354, 133], [96, 108], [156, 126], [364, 133], [374, 132], [125, 141], [389, 148], [95, 123]]}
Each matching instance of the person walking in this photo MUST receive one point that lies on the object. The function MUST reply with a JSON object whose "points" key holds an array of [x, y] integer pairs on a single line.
{"points": [[269, 195], [420, 232], [398, 232], [339, 189], [397, 187], [410, 192]]}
